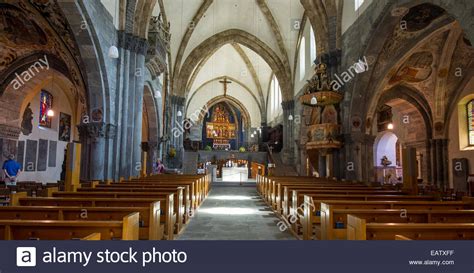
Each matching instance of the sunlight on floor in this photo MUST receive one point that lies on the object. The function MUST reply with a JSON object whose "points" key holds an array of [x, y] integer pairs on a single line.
{"points": [[230, 197], [228, 211]]}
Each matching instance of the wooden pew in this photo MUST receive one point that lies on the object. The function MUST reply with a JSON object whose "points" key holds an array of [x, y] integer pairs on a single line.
{"points": [[284, 193], [188, 210], [168, 217], [297, 196], [358, 229], [328, 206], [310, 209], [336, 221], [402, 238], [127, 229], [167, 196], [149, 217], [92, 237], [202, 182], [194, 190], [276, 194]]}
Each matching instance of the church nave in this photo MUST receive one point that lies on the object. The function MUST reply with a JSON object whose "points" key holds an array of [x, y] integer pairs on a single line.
{"points": [[234, 213]]}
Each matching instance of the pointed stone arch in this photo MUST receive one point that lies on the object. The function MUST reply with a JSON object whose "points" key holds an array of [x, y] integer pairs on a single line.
{"points": [[237, 36]]}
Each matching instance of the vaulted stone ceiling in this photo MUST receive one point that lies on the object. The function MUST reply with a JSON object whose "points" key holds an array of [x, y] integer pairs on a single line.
{"points": [[195, 21]]}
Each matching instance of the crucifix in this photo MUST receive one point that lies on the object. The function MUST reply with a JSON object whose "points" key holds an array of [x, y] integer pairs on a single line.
{"points": [[225, 82]]}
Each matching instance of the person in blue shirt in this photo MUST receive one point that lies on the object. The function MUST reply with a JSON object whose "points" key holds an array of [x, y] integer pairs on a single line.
{"points": [[11, 170]]}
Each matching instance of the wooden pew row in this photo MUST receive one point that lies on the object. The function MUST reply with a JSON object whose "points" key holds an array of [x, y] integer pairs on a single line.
{"points": [[202, 181], [167, 218], [276, 195], [196, 190], [309, 224], [166, 196], [335, 221], [186, 196], [316, 201], [183, 207], [264, 181], [284, 192], [149, 217], [297, 196], [127, 229], [270, 184], [358, 229]]}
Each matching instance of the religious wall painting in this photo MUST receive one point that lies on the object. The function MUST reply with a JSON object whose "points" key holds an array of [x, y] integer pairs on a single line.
{"points": [[27, 121], [17, 32], [419, 17], [46, 104], [329, 115], [315, 115], [416, 69], [16, 28], [64, 127]]}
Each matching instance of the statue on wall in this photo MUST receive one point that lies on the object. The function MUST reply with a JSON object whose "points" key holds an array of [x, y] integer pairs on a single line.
{"points": [[27, 121], [385, 162]]}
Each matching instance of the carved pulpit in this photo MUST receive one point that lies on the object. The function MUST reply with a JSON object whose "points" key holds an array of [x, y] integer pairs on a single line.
{"points": [[323, 136]]}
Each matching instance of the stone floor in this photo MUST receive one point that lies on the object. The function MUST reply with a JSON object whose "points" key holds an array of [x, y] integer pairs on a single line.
{"points": [[234, 213]]}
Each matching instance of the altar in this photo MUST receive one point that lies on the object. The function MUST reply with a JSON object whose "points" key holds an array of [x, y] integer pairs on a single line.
{"points": [[235, 174]]}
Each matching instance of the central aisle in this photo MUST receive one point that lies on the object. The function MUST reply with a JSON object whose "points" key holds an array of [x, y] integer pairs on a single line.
{"points": [[234, 213]]}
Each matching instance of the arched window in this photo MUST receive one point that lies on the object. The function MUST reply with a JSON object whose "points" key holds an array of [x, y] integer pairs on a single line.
{"points": [[302, 58], [46, 104], [470, 122], [358, 3], [275, 98], [313, 50]]}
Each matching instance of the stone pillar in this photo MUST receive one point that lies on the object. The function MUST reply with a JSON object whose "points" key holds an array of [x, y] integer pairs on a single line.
{"points": [[439, 162], [359, 150], [129, 104], [288, 125], [152, 150], [140, 50], [177, 130], [93, 138]]}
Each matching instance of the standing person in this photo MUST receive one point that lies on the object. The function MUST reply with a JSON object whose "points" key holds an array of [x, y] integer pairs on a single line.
{"points": [[11, 170], [160, 168]]}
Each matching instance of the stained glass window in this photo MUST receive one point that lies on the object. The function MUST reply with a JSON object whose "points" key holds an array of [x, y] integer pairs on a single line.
{"points": [[46, 104], [470, 122]]}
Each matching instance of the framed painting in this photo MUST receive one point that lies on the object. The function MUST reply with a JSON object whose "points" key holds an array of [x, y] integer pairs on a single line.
{"points": [[64, 127]]}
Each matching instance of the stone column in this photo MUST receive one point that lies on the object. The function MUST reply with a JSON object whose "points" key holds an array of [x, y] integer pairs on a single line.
{"points": [[93, 138], [177, 130], [439, 162], [140, 50], [152, 150], [358, 149], [288, 125], [129, 104]]}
